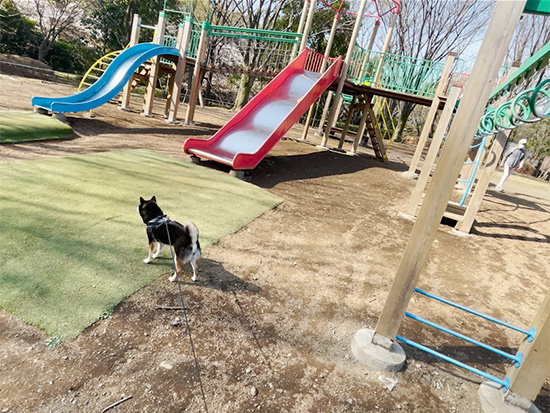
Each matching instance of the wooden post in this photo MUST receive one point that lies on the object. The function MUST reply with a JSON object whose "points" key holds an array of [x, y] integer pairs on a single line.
{"points": [[196, 84], [307, 27], [153, 73], [134, 39], [527, 379], [444, 120], [303, 16], [346, 125], [333, 113], [361, 126], [323, 67], [326, 108], [387, 40], [483, 183], [370, 46], [491, 54], [440, 90], [184, 37]]}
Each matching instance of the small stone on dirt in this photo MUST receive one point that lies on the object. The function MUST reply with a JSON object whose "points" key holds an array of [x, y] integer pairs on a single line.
{"points": [[254, 391]]}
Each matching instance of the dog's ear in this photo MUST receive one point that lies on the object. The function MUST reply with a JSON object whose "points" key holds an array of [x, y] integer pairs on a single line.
{"points": [[141, 201], [154, 199]]}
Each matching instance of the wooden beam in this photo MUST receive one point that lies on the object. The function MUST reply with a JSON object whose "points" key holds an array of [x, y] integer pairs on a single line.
{"points": [[323, 68], [483, 183], [491, 54], [184, 38], [196, 83], [435, 145], [153, 73], [307, 26], [345, 64], [432, 112], [527, 380], [134, 39]]}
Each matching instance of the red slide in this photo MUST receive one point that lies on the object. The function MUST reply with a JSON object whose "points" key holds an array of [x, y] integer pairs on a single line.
{"points": [[244, 141]]}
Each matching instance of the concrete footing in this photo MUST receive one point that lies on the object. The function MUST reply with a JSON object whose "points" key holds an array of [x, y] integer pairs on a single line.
{"points": [[377, 352], [494, 400], [410, 175]]}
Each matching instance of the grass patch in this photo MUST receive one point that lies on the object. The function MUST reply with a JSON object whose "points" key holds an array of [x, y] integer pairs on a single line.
{"points": [[18, 126], [72, 241]]}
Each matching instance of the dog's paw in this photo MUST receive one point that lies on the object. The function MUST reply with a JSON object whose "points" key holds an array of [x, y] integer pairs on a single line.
{"points": [[156, 256], [146, 260], [173, 277], [194, 278]]}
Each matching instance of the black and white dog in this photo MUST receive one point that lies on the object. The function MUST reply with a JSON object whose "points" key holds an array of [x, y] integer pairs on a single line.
{"points": [[161, 230]]}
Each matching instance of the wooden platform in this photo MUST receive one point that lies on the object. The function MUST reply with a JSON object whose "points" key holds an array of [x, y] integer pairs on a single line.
{"points": [[354, 90]]}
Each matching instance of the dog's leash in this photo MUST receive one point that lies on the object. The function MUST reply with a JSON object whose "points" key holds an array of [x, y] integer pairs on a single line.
{"points": [[184, 310]]}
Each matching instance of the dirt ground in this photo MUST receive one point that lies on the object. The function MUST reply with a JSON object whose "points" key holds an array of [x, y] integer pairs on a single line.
{"points": [[276, 304]]}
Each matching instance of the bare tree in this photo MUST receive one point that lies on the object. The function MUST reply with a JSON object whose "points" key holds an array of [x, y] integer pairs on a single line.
{"points": [[54, 17], [431, 29], [256, 14], [532, 33]]}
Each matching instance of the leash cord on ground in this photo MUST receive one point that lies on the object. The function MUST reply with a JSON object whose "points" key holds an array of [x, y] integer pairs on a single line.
{"points": [[184, 310]]}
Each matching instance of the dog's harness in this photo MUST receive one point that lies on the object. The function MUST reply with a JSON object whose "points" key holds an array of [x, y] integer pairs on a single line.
{"points": [[156, 222]]}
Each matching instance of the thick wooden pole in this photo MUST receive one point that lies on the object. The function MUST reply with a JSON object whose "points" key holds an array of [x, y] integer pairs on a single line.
{"points": [[184, 37], [196, 83], [387, 40], [483, 183], [333, 113], [431, 156], [527, 380], [307, 27], [439, 92], [491, 54], [134, 39], [323, 67], [153, 73], [303, 17], [362, 122]]}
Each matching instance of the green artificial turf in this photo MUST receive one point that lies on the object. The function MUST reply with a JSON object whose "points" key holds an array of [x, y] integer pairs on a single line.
{"points": [[17, 126], [72, 242]]}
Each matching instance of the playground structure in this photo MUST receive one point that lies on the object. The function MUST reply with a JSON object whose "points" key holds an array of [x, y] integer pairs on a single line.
{"points": [[378, 348], [506, 116], [502, 114]]}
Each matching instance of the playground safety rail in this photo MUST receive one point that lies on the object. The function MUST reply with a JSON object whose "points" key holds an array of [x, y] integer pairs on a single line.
{"points": [[404, 74]]}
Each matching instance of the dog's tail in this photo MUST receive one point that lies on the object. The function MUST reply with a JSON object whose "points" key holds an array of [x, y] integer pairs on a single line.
{"points": [[194, 234]]}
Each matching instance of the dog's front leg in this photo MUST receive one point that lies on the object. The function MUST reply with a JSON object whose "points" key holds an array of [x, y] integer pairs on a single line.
{"points": [[159, 249], [151, 247]]}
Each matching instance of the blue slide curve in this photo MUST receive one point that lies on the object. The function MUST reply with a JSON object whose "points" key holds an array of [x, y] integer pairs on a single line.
{"points": [[118, 73]]}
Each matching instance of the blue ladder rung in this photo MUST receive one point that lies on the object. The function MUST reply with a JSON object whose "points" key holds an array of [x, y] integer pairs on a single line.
{"points": [[504, 383], [518, 358], [531, 333]]}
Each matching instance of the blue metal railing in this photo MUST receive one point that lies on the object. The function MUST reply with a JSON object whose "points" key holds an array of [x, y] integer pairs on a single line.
{"points": [[529, 333], [518, 358], [505, 383]]}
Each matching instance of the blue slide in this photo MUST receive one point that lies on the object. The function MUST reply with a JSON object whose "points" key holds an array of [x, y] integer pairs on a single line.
{"points": [[118, 73]]}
